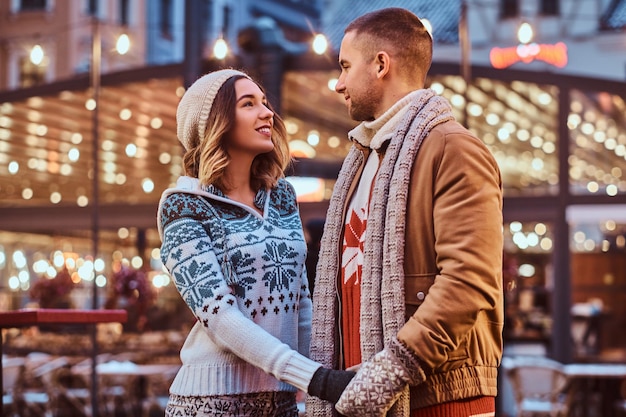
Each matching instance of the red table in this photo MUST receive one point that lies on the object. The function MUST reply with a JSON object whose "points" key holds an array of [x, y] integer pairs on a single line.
{"points": [[34, 317]]}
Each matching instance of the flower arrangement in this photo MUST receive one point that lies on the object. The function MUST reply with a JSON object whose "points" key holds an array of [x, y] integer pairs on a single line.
{"points": [[131, 289], [53, 292]]}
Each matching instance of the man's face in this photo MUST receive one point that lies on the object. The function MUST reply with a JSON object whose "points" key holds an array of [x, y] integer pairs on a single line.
{"points": [[358, 82]]}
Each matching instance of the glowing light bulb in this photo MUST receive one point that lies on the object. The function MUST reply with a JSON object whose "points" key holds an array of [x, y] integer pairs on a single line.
{"points": [[36, 55], [525, 33], [220, 49], [320, 44], [122, 46]]}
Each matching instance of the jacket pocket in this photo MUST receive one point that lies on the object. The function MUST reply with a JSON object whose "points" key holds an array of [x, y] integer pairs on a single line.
{"points": [[416, 288]]}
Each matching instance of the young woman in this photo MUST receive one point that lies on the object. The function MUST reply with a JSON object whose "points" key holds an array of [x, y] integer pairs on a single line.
{"points": [[233, 244]]}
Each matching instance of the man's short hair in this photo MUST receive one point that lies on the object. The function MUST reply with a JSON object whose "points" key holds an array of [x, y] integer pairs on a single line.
{"points": [[398, 32]]}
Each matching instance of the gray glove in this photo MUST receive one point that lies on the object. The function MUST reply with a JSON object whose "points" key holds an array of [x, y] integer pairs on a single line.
{"points": [[380, 381]]}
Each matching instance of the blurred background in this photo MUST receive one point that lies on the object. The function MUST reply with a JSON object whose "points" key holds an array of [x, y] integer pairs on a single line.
{"points": [[88, 96]]}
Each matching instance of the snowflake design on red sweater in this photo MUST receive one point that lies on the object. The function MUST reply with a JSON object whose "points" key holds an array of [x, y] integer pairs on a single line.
{"points": [[353, 248]]}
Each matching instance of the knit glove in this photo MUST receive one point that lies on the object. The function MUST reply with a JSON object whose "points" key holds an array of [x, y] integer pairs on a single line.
{"points": [[328, 384], [380, 382]]}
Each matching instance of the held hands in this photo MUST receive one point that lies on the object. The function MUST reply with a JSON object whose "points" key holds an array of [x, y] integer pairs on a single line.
{"points": [[328, 384], [380, 381]]}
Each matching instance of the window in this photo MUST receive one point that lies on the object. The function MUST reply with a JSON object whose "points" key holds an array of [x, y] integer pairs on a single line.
{"points": [[124, 10], [549, 7], [226, 22], [597, 130], [526, 274], [166, 18], [27, 5], [31, 74], [92, 7], [509, 8]]}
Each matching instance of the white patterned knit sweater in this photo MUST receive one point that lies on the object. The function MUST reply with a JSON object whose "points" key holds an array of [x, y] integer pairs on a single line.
{"points": [[242, 275]]}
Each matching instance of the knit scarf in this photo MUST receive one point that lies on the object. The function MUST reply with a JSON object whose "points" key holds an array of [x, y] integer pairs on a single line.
{"points": [[382, 287]]}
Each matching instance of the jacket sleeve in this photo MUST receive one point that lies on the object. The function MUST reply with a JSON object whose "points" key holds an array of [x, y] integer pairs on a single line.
{"points": [[466, 216], [187, 252]]}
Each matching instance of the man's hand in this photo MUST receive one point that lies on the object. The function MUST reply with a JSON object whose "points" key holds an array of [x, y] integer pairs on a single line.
{"points": [[380, 381]]}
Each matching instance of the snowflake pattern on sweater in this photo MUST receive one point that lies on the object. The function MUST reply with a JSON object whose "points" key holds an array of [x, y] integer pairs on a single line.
{"points": [[271, 250], [243, 276]]}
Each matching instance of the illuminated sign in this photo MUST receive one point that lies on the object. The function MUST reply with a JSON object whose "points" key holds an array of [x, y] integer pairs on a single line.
{"points": [[552, 54]]}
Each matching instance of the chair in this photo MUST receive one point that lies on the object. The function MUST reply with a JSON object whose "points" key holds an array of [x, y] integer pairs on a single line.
{"points": [[116, 394], [539, 386], [157, 393], [64, 395], [12, 370], [620, 405], [34, 393], [80, 387], [28, 394]]}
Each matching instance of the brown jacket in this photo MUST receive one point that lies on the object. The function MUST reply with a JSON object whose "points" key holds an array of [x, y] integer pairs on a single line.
{"points": [[453, 267], [432, 254]]}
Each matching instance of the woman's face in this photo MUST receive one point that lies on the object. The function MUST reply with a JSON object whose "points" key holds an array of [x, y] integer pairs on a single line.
{"points": [[252, 130]]}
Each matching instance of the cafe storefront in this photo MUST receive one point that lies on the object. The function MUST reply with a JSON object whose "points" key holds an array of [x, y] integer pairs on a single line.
{"points": [[560, 142]]}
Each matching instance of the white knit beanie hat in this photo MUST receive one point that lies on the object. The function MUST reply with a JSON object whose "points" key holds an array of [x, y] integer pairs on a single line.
{"points": [[194, 108]]}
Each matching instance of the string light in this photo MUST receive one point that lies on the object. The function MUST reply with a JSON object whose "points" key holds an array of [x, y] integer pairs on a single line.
{"points": [[320, 44], [36, 55], [525, 33], [122, 46], [220, 49]]}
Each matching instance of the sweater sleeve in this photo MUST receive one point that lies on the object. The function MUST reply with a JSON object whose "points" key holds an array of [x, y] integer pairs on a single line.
{"points": [[188, 254], [305, 316], [305, 306]]}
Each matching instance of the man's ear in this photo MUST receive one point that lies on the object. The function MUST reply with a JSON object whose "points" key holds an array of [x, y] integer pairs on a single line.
{"points": [[382, 63]]}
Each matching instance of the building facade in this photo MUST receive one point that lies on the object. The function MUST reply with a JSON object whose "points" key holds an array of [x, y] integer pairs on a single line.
{"points": [[556, 127]]}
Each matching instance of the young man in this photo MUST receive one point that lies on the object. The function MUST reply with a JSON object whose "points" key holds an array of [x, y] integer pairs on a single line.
{"points": [[414, 298]]}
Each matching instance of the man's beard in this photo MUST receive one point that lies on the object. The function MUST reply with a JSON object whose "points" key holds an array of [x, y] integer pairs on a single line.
{"points": [[363, 109]]}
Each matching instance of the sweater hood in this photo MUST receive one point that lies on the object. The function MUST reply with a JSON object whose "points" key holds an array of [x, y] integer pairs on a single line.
{"points": [[183, 185], [189, 185]]}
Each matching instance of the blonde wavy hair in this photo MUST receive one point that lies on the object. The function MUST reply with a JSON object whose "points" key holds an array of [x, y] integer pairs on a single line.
{"points": [[207, 160]]}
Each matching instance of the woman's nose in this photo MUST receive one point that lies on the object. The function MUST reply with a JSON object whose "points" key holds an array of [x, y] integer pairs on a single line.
{"points": [[266, 113]]}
